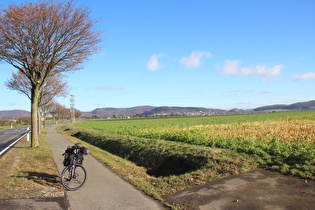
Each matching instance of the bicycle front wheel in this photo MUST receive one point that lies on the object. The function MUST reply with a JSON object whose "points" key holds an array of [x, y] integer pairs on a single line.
{"points": [[73, 177]]}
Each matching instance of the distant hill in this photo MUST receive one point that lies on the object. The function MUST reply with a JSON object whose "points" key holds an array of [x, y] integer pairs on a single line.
{"points": [[109, 112], [183, 111], [14, 114], [173, 111], [301, 106]]}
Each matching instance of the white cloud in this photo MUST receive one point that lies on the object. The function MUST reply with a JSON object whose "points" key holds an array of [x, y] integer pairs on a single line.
{"points": [[194, 59], [305, 76], [232, 67], [263, 70], [153, 64]]}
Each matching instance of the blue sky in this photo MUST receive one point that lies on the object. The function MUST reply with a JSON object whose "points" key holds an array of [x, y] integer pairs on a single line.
{"points": [[204, 53]]}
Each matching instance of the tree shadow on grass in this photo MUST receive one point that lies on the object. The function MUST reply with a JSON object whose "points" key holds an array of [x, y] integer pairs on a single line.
{"points": [[41, 178]]}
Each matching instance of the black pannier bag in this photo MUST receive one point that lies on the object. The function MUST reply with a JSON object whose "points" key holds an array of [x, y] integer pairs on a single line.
{"points": [[82, 151], [79, 159], [68, 155]]}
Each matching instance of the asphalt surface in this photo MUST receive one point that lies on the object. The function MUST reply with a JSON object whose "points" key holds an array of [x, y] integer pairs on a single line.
{"points": [[103, 189], [34, 204], [10, 136], [257, 190]]}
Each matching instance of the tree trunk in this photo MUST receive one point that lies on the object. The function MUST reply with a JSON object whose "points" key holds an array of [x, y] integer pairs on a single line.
{"points": [[45, 118], [39, 123], [34, 116]]}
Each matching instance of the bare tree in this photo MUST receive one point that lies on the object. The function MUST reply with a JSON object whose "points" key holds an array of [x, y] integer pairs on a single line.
{"points": [[46, 109], [77, 114], [59, 112], [53, 87], [44, 39]]}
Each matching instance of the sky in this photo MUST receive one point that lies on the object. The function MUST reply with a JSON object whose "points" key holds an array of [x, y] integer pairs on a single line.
{"points": [[221, 54]]}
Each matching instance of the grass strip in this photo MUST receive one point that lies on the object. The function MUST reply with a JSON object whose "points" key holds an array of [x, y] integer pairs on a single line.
{"points": [[28, 172]]}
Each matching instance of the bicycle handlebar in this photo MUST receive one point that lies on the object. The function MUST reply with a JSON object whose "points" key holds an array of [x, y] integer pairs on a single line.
{"points": [[76, 146]]}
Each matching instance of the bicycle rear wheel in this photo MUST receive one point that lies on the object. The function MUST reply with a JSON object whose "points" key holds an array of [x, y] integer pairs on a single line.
{"points": [[73, 177]]}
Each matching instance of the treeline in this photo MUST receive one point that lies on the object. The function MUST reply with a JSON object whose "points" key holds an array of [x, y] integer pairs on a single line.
{"points": [[57, 113], [19, 121]]}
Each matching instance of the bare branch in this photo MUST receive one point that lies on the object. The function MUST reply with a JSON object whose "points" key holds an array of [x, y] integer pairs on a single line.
{"points": [[42, 40]]}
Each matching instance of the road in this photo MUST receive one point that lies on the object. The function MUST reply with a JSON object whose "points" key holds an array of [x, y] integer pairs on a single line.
{"points": [[103, 188], [10, 136]]}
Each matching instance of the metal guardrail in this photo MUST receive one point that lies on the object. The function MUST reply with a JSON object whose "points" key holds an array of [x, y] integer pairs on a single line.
{"points": [[12, 144]]}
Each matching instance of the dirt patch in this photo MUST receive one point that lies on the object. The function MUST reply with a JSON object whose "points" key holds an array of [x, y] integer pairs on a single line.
{"points": [[35, 204], [256, 190]]}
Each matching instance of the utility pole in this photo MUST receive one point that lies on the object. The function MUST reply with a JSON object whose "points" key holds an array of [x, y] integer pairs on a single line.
{"points": [[72, 108]]}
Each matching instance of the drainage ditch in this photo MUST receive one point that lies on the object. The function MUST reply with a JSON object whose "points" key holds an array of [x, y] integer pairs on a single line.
{"points": [[160, 158]]}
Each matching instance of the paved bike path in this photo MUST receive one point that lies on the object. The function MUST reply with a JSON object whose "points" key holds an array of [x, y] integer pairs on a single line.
{"points": [[103, 189]]}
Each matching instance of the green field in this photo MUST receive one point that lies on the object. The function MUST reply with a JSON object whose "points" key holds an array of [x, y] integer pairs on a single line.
{"points": [[179, 152]]}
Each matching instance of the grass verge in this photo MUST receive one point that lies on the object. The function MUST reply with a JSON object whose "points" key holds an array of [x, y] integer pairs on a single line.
{"points": [[141, 156], [28, 172]]}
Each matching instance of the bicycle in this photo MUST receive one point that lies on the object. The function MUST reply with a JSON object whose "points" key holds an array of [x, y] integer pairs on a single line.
{"points": [[73, 176]]}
